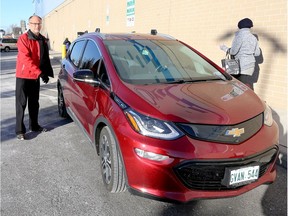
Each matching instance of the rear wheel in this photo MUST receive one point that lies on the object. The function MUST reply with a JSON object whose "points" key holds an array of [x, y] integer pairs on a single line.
{"points": [[111, 164], [61, 104]]}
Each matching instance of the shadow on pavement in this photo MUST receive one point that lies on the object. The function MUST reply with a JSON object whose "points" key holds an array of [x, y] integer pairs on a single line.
{"points": [[274, 201], [48, 118]]}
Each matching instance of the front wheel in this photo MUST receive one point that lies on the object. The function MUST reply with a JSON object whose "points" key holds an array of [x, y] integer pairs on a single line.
{"points": [[61, 104], [111, 165]]}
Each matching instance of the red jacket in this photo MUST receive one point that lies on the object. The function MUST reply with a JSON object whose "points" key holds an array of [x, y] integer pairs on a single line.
{"points": [[28, 59]]}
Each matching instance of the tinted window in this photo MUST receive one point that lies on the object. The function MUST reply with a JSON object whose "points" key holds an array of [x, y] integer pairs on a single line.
{"points": [[9, 40], [76, 52], [102, 74], [90, 57]]}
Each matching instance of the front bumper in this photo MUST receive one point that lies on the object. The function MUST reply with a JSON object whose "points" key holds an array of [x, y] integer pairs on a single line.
{"points": [[195, 169], [208, 175], [206, 188]]}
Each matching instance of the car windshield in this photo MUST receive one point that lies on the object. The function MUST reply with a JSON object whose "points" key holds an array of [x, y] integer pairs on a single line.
{"points": [[158, 61]]}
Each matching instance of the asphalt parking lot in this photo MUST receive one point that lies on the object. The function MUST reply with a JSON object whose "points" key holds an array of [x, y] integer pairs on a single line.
{"points": [[57, 172]]}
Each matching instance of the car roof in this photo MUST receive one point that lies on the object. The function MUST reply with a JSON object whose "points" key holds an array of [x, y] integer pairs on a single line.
{"points": [[128, 36]]}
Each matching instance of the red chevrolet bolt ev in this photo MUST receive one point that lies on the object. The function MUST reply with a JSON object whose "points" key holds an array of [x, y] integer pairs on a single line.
{"points": [[166, 121]]}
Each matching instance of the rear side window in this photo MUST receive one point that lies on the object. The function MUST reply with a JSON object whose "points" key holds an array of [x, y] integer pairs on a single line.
{"points": [[76, 52]]}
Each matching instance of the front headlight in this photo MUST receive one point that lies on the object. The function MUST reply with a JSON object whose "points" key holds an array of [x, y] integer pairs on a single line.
{"points": [[268, 119], [152, 127]]}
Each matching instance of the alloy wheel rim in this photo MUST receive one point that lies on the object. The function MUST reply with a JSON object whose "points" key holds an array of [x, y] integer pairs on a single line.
{"points": [[60, 101], [106, 160]]}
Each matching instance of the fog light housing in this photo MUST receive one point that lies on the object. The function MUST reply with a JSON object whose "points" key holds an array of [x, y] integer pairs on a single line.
{"points": [[150, 155]]}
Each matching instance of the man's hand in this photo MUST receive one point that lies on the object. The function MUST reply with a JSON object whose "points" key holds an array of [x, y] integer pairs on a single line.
{"points": [[45, 79]]}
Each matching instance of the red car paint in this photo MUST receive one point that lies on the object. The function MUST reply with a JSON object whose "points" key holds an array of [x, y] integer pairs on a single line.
{"points": [[208, 102]]}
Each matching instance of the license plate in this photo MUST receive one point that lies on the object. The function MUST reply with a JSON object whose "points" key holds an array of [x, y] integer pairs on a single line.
{"points": [[240, 176]]}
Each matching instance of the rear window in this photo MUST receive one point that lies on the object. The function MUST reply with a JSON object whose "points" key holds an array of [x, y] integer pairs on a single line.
{"points": [[157, 61]]}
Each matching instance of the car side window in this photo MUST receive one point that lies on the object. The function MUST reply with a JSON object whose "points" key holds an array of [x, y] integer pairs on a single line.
{"points": [[90, 57], [76, 52], [92, 60], [102, 74], [9, 40]]}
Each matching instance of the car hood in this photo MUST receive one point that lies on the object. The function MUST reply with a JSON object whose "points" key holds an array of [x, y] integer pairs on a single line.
{"points": [[214, 102]]}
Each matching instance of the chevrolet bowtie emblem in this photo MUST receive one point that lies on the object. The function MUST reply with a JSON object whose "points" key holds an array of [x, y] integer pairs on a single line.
{"points": [[235, 132]]}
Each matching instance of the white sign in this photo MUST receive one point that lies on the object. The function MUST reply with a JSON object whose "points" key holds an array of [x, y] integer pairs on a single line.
{"points": [[130, 13]]}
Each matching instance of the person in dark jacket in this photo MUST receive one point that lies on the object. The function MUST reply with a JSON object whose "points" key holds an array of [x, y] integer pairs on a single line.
{"points": [[67, 43], [33, 63], [244, 48]]}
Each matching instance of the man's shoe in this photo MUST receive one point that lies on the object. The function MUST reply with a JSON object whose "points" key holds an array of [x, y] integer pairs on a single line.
{"points": [[21, 137], [40, 129]]}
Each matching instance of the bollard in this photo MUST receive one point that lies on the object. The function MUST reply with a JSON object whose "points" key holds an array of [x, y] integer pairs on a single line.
{"points": [[63, 51]]}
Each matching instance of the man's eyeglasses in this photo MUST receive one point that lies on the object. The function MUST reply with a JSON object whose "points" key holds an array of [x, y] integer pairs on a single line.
{"points": [[35, 24]]}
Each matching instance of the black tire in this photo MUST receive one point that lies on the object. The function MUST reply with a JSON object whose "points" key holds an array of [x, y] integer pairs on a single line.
{"points": [[111, 165], [7, 49], [61, 104]]}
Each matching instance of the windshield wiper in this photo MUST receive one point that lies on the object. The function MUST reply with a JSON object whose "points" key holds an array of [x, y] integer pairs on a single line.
{"points": [[177, 81], [192, 81]]}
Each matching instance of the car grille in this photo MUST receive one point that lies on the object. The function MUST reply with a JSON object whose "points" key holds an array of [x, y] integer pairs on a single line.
{"points": [[232, 134], [207, 175]]}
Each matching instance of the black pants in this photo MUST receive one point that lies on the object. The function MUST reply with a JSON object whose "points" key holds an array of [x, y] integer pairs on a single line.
{"points": [[246, 79], [27, 90]]}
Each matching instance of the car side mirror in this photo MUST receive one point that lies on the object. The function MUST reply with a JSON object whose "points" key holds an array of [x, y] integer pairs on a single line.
{"points": [[85, 75]]}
